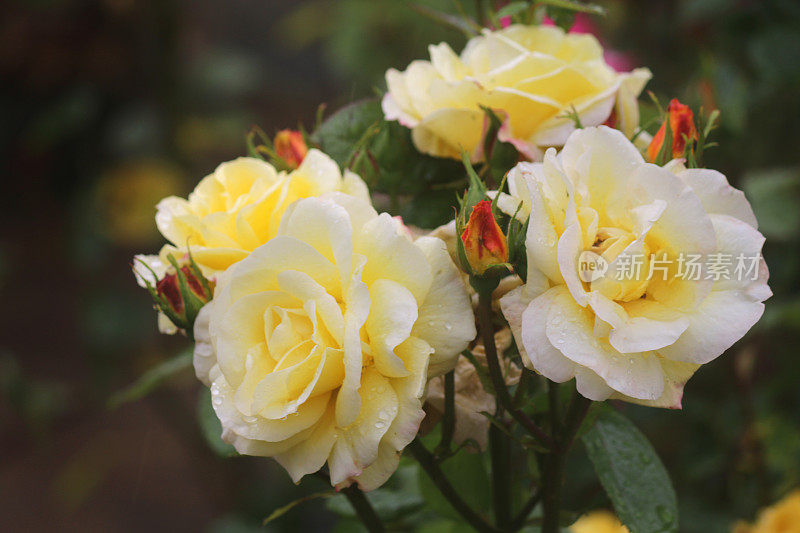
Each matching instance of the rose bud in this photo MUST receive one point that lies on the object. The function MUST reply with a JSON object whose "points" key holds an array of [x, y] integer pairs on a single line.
{"points": [[681, 125], [291, 147], [180, 293], [484, 242]]}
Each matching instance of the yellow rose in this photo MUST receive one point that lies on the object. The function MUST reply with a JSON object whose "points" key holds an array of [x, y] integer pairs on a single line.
{"points": [[318, 345], [531, 75], [598, 522], [783, 517], [233, 211], [239, 207], [636, 275]]}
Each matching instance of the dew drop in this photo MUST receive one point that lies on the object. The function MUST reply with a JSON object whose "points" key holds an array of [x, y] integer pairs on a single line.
{"points": [[216, 401]]}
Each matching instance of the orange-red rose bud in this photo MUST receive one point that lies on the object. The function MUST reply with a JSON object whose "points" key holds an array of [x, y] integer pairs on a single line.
{"points": [[169, 289], [484, 242], [681, 124], [291, 147]]}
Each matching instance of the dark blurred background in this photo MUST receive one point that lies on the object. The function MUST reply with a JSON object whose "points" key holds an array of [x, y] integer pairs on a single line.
{"points": [[107, 106]]}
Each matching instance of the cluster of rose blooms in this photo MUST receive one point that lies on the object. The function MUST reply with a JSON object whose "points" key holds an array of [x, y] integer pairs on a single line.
{"points": [[322, 326]]}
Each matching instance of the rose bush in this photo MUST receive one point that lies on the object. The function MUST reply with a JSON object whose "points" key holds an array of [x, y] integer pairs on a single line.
{"points": [[637, 339], [318, 345], [530, 75]]}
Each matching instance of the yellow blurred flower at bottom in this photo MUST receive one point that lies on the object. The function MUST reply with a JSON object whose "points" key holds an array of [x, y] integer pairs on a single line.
{"points": [[598, 522], [783, 517]]}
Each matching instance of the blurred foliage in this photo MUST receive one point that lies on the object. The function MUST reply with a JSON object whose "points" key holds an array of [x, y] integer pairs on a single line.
{"points": [[109, 105]]}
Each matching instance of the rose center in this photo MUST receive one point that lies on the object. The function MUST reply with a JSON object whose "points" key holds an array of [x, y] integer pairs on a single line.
{"points": [[626, 278]]}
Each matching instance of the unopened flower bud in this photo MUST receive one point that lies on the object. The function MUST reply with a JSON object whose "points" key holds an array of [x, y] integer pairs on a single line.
{"points": [[291, 147], [169, 287], [681, 124], [179, 293], [484, 242]]}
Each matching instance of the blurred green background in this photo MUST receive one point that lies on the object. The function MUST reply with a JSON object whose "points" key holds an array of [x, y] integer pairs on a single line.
{"points": [[108, 106]]}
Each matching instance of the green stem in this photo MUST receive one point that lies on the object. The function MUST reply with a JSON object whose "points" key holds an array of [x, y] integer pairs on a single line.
{"points": [[428, 463], [484, 315], [519, 520], [553, 474], [522, 387], [364, 509], [552, 478], [449, 418], [555, 411], [501, 480], [578, 408]]}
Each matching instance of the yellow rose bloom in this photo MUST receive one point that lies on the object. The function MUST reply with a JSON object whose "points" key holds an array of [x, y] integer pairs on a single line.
{"points": [[598, 522], [318, 345], [234, 210], [530, 75], [239, 207], [783, 517], [679, 274]]}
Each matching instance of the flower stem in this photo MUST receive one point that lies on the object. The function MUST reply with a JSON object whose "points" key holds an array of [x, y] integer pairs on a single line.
{"points": [[522, 387], [519, 520], [364, 509], [428, 463], [553, 474], [501, 480], [496, 374], [555, 411], [449, 418]]}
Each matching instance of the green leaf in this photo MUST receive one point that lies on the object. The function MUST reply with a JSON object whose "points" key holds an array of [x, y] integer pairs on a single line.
{"points": [[512, 9], [337, 135], [211, 427], [279, 512], [475, 193], [574, 5], [518, 257], [151, 379], [467, 26], [430, 209], [382, 152], [631, 474]]}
